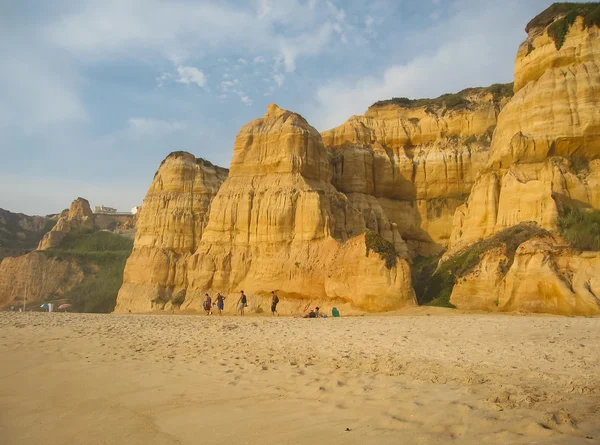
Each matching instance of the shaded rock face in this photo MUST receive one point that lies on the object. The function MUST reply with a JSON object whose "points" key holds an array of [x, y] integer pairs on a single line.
{"points": [[276, 223], [408, 169], [36, 275], [549, 127], [79, 216], [21, 233]]}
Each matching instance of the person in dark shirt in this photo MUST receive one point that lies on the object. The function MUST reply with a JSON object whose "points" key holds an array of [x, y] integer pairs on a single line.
{"points": [[220, 303], [274, 302], [242, 302]]}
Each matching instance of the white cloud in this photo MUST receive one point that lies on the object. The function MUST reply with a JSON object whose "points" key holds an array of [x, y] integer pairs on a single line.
{"points": [[190, 74], [180, 29], [233, 87], [258, 59], [279, 79], [460, 60]]}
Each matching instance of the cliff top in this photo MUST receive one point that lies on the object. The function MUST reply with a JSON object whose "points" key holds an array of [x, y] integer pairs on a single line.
{"points": [[569, 11], [199, 161], [461, 100]]}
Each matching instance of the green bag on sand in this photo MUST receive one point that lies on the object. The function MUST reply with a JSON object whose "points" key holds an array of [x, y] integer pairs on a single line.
{"points": [[335, 312]]}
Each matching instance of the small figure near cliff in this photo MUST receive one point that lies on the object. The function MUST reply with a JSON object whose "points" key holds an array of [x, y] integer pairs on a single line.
{"points": [[242, 302], [220, 303], [274, 302], [207, 304]]}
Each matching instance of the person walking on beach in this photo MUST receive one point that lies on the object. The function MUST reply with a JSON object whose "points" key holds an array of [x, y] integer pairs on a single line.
{"points": [[274, 302], [207, 304], [220, 303], [242, 302]]}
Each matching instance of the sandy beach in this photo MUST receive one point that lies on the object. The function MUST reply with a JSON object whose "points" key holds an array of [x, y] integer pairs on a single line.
{"points": [[423, 377]]}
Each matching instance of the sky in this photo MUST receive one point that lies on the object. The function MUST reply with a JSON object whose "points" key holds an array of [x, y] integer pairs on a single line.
{"points": [[94, 94]]}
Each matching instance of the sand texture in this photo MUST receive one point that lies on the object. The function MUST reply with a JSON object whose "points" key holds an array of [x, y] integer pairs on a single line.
{"points": [[402, 379]]}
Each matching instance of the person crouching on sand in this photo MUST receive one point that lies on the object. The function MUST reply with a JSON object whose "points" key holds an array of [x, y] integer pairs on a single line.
{"points": [[274, 302], [242, 302], [220, 303], [207, 304]]}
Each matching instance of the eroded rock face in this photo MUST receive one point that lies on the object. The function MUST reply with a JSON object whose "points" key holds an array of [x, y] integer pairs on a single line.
{"points": [[543, 278], [408, 169], [549, 127], [276, 223], [553, 117], [169, 228], [21, 233], [36, 275], [79, 216]]}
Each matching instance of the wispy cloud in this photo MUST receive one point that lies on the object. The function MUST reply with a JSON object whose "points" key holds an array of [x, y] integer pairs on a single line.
{"points": [[469, 58], [190, 74]]}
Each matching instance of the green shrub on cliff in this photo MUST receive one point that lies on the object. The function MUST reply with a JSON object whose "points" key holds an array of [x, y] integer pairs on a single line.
{"points": [[580, 228], [374, 242], [436, 289], [568, 13], [451, 101], [102, 256]]}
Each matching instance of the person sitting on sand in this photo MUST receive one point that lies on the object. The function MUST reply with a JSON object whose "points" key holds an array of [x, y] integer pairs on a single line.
{"points": [[311, 314], [317, 315], [242, 302], [274, 302], [220, 303], [207, 304]]}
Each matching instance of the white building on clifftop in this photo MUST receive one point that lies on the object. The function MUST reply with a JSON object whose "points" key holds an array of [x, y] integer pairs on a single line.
{"points": [[104, 209]]}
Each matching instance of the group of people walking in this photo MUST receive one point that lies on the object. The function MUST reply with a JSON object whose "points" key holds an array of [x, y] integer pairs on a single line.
{"points": [[241, 304]]}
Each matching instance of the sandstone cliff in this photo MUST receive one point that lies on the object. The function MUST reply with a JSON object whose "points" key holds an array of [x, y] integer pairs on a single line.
{"points": [[542, 162], [544, 277], [79, 216], [276, 223], [36, 277], [169, 228], [408, 164], [76, 262], [552, 120], [20, 233]]}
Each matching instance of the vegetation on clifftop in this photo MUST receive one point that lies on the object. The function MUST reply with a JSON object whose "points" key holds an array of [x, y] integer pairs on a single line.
{"points": [[102, 256], [458, 101], [580, 228], [180, 153], [436, 289], [568, 13]]}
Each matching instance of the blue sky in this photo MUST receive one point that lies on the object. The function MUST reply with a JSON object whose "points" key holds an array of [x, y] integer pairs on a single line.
{"points": [[94, 94]]}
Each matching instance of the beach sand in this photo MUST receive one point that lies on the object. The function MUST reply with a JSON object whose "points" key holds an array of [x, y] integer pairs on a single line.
{"points": [[421, 377]]}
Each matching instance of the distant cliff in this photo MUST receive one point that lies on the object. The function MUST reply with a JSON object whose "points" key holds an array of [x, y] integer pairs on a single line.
{"points": [[20, 233], [75, 263]]}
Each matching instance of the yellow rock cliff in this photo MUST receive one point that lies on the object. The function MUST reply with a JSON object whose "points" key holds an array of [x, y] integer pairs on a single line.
{"points": [[550, 125], [276, 223]]}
